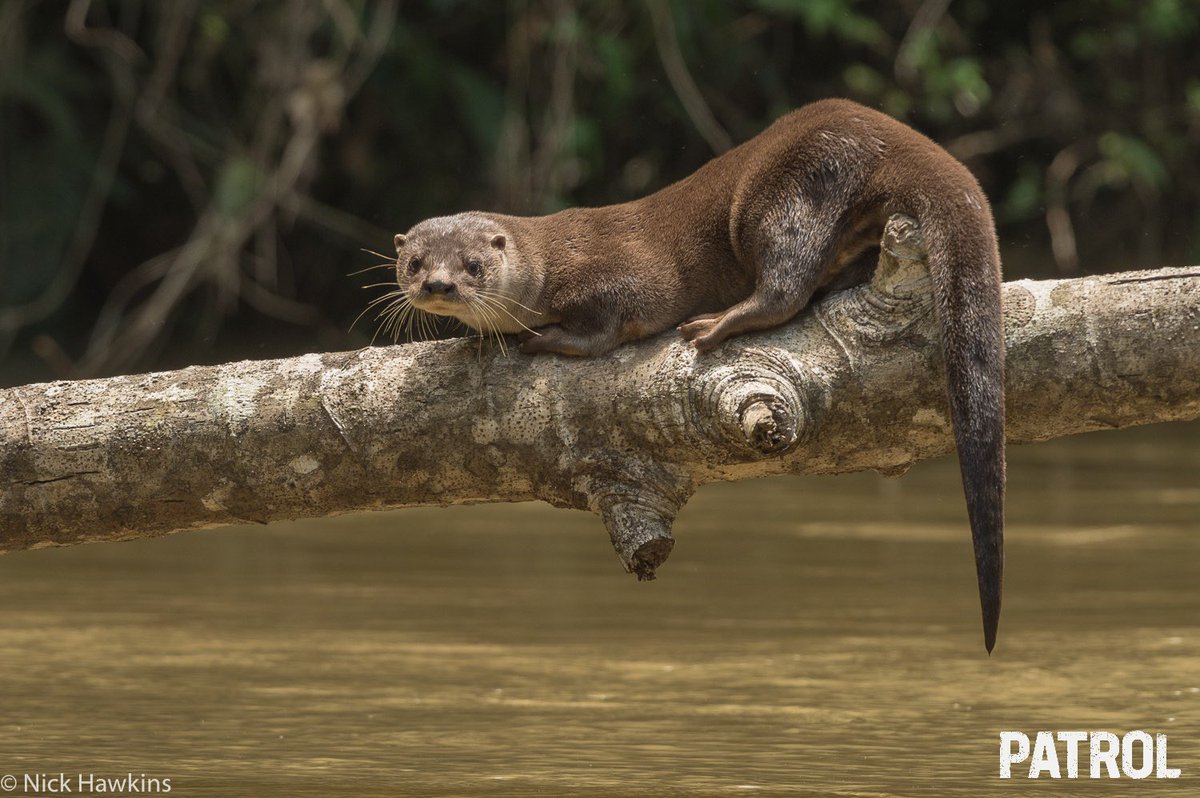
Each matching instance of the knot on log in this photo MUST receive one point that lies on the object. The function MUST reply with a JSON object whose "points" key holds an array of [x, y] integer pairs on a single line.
{"points": [[898, 296], [905, 247], [753, 406]]}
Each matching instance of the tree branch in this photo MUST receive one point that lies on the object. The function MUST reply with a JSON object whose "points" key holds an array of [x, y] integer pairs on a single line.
{"points": [[855, 383]]}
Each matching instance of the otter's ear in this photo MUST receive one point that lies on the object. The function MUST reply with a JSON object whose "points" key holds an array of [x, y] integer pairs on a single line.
{"points": [[499, 241], [399, 241]]}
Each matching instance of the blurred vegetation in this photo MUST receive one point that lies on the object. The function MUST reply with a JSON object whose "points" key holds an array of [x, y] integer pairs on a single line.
{"points": [[192, 181]]}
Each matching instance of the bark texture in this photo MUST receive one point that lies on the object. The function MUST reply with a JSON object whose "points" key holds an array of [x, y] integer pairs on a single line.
{"points": [[854, 383]]}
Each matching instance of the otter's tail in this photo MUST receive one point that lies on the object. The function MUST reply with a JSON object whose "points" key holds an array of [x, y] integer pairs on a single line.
{"points": [[964, 266]]}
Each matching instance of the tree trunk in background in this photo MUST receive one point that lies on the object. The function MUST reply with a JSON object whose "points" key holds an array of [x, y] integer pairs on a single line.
{"points": [[855, 383]]}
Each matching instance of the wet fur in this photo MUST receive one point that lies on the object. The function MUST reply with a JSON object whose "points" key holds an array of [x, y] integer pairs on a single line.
{"points": [[745, 243]]}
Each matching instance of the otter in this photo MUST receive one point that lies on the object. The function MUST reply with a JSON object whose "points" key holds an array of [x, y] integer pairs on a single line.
{"points": [[745, 243]]}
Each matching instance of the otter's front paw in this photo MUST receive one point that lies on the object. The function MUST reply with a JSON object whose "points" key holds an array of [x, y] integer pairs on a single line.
{"points": [[530, 345], [553, 338], [543, 339]]}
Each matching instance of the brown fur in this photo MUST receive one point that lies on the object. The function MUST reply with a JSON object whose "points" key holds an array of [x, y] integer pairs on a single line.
{"points": [[743, 244]]}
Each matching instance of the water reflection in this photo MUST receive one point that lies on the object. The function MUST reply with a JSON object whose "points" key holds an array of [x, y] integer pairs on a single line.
{"points": [[807, 637]]}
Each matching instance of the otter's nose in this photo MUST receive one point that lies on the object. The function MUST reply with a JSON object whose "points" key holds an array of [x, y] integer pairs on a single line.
{"points": [[438, 287]]}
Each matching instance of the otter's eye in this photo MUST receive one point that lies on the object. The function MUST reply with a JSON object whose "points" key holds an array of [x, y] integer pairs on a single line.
{"points": [[414, 266], [474, 267]]}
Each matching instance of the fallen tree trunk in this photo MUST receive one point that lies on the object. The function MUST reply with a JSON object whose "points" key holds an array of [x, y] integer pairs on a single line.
{"points": [[855, 383]]}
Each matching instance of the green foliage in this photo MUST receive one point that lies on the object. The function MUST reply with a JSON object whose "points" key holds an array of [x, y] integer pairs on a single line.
{"points": [[1024, 197], [836, 18], [238, 182], [46, 161], [1126, 159], [530, 106], [1169, 20]]}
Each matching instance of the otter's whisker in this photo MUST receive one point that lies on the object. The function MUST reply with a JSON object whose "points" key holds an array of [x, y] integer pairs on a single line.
{"points": [[373, 303], [475, 308], [408, 324], [392, 316], [401, 322], [392, 258], [510, 300], [425, 324], [493, 329], [370, 305], [391, 309], [488, 315], [388, 295], [498, 304], [391, 264], [388, 313]]}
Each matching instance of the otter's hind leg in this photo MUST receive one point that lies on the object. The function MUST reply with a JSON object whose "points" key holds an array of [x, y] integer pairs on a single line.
{"points": [[792, 251]]}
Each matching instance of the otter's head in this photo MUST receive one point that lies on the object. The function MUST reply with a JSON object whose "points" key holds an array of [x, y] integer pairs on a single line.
{"points": [[457, 266]]}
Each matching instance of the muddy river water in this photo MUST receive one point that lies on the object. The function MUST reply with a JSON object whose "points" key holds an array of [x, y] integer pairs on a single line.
{"points": [[807, 637]]}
